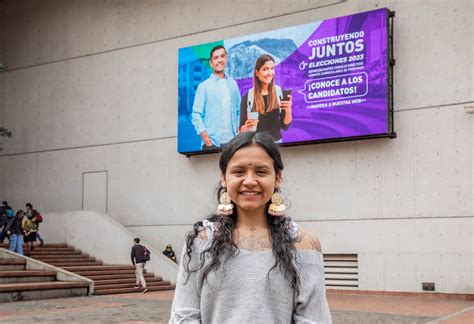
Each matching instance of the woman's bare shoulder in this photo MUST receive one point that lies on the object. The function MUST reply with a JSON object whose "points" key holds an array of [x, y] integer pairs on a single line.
{"points": [[306, 240], [202, 235]]}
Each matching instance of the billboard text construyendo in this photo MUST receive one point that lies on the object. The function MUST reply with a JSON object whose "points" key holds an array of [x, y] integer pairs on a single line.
{"points": [[324, 81]]}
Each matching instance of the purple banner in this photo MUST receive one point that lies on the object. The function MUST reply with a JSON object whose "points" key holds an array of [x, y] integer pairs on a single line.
{"points": [[329, 77]]}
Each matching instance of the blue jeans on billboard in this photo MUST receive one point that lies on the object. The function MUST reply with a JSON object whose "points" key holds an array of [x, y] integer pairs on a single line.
{"points": [[16, 243]]}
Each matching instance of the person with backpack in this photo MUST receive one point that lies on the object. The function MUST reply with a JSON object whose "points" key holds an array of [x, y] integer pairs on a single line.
{"points": [[6, 214], [7, 210], [30, 231], [3, 223], [3, 220], [139, 255], [14, 231], [3, 210], [30, 213]]}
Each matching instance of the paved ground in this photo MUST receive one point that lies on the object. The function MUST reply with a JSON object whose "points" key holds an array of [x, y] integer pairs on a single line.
{"points": [[153, 307]]}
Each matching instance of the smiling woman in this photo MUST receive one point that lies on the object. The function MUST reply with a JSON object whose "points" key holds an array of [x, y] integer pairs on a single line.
{"points": [[266, 107], [249, 263], [250, 180]]}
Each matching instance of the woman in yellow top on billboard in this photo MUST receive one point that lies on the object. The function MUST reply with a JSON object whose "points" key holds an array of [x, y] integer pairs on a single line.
{"points": [[265, 107]]}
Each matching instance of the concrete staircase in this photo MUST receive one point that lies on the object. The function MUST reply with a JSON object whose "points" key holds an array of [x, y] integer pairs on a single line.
{"points": [[17, 283], [108, 279]]}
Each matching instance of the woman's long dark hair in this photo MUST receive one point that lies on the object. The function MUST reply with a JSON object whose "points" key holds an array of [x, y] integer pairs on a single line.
{"points": [[222, 244], [258, 102]]}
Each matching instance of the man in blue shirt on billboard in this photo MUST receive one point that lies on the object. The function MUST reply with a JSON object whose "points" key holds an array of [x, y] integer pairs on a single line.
{"points": [[216, 107]]}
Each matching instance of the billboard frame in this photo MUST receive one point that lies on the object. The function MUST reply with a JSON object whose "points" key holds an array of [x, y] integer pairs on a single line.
{"points": [[390, 104]]}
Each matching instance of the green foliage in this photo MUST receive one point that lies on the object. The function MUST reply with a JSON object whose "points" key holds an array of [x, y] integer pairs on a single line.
{"points": [[5, 133]]}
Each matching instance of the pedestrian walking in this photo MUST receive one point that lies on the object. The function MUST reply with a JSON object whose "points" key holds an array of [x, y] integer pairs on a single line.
{"points": [[139, 256]]}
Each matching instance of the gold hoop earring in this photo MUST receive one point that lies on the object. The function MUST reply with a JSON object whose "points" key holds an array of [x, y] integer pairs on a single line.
{"points": [[226, 207], [276, 208]]}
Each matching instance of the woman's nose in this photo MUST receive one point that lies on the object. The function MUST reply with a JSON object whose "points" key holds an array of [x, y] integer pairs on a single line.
{"points": [[249, 179]]}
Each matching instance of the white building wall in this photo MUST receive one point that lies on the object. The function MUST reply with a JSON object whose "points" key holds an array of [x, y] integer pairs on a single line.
{"points": [[92, 86]]}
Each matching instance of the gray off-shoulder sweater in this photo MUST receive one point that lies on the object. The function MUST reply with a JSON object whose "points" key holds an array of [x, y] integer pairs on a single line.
{"points": [[240, 291]]}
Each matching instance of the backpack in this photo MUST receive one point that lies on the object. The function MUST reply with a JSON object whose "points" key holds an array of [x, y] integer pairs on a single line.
{"points": [[39, 217], [146, 254], [10, 213]]}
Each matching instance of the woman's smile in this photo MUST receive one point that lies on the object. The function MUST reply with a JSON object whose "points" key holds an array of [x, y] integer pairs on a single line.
{"points": [[250, 193]]}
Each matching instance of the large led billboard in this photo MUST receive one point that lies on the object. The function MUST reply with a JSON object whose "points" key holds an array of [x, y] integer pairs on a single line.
{"points": [[319, 82]]}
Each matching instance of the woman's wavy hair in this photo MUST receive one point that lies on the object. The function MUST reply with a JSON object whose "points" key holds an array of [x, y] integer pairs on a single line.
{"points": [[258, 102], [19, 214], [222, 245]]}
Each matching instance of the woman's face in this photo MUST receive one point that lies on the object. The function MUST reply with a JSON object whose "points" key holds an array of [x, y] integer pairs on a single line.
{"points": [[250, 178], [266, 73]]}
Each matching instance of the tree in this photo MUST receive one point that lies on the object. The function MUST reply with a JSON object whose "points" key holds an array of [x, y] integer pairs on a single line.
{"points": [[4, 133]]}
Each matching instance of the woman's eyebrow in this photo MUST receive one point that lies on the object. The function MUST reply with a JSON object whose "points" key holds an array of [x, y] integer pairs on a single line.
{"points": [[245, 165]]}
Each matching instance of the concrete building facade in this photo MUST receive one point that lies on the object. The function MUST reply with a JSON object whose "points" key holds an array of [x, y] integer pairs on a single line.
{"points": [[91, 96]]}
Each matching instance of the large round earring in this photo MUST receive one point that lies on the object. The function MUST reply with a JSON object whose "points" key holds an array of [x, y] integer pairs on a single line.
{"points": [[226, 207], [276, 207]]}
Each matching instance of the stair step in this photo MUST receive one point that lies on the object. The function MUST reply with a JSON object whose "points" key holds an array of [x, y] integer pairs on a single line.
{"points": [[87, 273], [54, 252], [24, 286], [54, 249], [12, 262], [42, 290], [72, 260], [119, 276], [27, 273], [131, 290], [62, 257], [99, 283], [12, 267], [17, 276], [65, 259], [52, 245], [132, 285], [75, 264], [25, 278], [101, 268]]}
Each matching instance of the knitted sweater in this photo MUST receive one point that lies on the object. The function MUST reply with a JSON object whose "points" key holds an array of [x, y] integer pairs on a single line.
{"points": [[240, 292]]}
